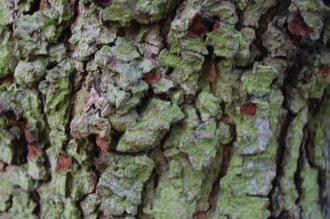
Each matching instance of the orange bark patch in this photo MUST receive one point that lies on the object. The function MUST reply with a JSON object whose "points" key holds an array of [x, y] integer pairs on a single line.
{"points": [[151, 77], [325, 71], [63, 162], [102, 143], [248, 109], [33, 151]]}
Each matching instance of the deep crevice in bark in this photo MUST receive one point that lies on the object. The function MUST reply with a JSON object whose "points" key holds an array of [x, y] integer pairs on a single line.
{"points": [[279, 157], [309, 148], [297, 175], [216, 185], [280, 8]]}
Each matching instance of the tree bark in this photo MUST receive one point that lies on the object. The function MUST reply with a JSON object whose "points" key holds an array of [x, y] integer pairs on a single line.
{"points": [[165, 109]]}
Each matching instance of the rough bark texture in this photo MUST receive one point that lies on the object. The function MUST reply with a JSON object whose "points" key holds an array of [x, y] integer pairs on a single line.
{"points": [[165, 109]]}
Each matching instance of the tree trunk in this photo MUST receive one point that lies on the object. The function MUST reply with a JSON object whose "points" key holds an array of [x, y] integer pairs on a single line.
{"points": [[165, 109]]}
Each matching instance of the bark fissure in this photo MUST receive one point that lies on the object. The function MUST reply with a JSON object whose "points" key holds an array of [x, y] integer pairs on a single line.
{"points": [[281, 7]]}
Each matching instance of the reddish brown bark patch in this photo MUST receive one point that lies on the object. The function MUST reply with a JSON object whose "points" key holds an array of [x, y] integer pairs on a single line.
{"points": [[324, 71], [102, 143], [33, 151], [151, 77], [199, 27], [298, 27], [63, 162], [248, 109]]}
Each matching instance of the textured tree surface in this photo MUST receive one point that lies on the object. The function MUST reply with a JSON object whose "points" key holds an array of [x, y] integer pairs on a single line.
{"points": [[165, 109]]}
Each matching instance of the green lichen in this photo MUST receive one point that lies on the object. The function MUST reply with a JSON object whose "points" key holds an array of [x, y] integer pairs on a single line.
{"points": [[59, 197], [237, 207], [201, 144], [60, 208], [22, 205], [227, 81], [29, 73], [258, 81], [122, 122], [208, 105], [36, 168], [225, 133], [5, 16], [58, 105], [122, 84], [309, 199], [239, 188], [7, 59], [34, 33], [228, 43], [224, 10], [155, 122], [6, 188], [199, 140], [89, 32], [177, 192], [252, 166], [26, 105], [80, 150], [83, 182], [121, 184], [187, 69], [287, 193], [29, 44], [6, 143], [144, 12], [89, 206], [18, 176]]}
